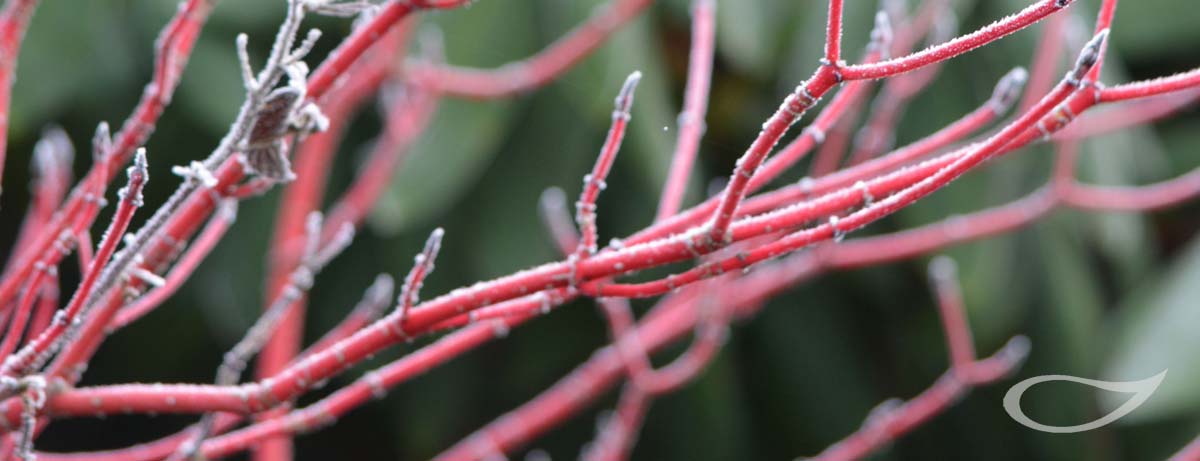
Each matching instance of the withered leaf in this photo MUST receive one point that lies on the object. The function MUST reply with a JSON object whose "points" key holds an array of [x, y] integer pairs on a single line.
{"points": [[271, 122]]}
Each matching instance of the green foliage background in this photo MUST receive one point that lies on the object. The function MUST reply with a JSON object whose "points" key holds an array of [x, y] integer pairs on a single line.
{"points": [[1112, 296]]}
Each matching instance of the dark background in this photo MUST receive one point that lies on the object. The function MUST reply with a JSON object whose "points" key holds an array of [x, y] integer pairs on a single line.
{"points": [[1110, 296]]}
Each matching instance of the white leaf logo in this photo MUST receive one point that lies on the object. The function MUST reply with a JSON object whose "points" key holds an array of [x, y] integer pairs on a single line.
{"points": [[1141, 391]]}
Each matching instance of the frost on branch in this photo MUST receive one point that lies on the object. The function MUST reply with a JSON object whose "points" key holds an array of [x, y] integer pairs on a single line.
{"points": [[746, 225]]}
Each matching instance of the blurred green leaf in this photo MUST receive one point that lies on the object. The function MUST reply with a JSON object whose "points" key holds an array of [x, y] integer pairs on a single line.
{"points": [[463, 136], [1156, 331], [211, 91], [741, 33], [1146, 29], [448, 158], [53, 72], [1074, 300]]}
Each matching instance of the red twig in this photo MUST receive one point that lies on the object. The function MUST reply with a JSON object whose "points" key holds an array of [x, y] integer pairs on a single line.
{"points": [[695, 105], [841, 203], [894, 419], [52, 158], [1177, 82], [552, 208], [49, 341], [376, 299], [878, 134], [1129, 115], [406, 119], [173, 47], [1046, 60], [188, 262], [836, 228], [25, 308], [422, 267], [380, 333], [943, 273], [837, 140], [185, 221], [304, 196], [960, 45], [618, 431], [13, 20], [710, 334], [1108, 8], [532, 72], [593, 183], [833, 34], [1191, 452]]}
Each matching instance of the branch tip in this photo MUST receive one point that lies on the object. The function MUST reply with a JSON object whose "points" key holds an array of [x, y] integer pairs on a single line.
{"points": [[1008, 89], [553, 198], [1016, 350], [101, 142], [1088, 57], [943, 269], [380, 290], [52, 151], [139, 171], [882, 34], [434, 243], [625, 98], [227, 210], [423, 265], [340, 241]]}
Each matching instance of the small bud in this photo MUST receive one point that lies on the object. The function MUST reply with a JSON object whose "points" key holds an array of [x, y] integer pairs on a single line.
{"points": [[312, 233], [431, 43], [895, 8], [553, 200], [53, 152], [141, 167], [313, 35], [378, 296], [882, 411], [1087, 58], [338, 243], [422, 267], [1008, 89], [882, 35], [227, 210], [297, 73], [433, 244], [1016, 350], [625, 98], [138, 175], [943, 269], [101, 142]]}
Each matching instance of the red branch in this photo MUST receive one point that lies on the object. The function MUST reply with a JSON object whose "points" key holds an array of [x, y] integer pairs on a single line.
{"points": [[893, 419], [532, 72], [695, 105], [173, 47], [726, 235], [14, 18]]}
